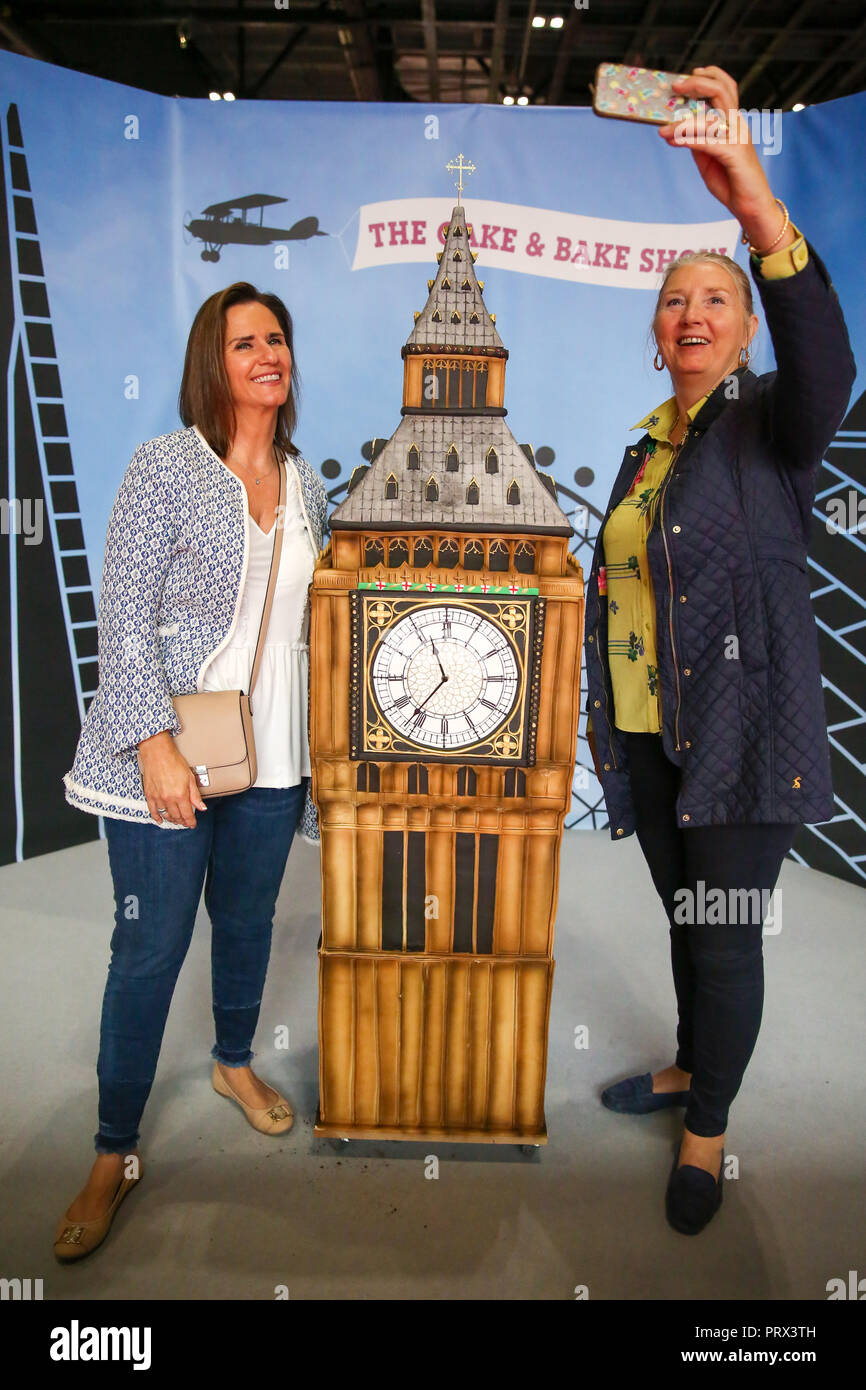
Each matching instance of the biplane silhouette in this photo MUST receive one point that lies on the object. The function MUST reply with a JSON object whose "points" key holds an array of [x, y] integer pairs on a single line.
{"points": [[225, 224]]}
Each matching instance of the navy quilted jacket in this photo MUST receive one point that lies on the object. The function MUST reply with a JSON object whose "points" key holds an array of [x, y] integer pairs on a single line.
{"points": [[726, 551]]}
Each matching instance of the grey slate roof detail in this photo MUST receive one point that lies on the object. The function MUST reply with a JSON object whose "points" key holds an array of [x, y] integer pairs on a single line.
{"points": [[464, 334], [472, 434]]}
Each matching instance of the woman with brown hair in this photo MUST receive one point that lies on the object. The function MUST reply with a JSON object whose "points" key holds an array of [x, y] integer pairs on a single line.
{"points": [[188, 553], [705, 698]]}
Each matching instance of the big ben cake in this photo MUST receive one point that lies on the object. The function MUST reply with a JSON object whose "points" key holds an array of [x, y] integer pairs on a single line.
{"points": [[445, 641]]}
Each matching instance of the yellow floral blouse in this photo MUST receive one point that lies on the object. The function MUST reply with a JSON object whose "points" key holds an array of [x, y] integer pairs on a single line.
{"points": [[631, 620], [630, 601]]}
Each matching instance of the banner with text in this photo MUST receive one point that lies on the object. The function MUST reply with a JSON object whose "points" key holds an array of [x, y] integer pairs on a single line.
{"points": [[537, 241]]}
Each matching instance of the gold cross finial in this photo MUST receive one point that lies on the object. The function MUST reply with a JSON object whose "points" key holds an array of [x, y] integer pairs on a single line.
{"points": [[460, 169]]}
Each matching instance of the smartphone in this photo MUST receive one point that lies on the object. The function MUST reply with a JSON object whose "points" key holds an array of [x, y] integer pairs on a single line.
{"points": [[640, 94]]}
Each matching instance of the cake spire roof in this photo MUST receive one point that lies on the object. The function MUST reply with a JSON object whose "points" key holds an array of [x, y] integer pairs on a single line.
{"points": [[446, 466], [455, 315]]}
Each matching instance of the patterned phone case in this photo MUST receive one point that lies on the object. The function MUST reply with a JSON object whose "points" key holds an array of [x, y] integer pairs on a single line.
{"points": [[640, 94]]}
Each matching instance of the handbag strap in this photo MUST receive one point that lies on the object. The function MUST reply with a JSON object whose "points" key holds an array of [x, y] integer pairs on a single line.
{"points": [[272, 577]]}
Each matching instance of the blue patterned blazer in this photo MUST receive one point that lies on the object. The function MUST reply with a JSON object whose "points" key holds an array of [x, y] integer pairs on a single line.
{"points": [[175, 561]]}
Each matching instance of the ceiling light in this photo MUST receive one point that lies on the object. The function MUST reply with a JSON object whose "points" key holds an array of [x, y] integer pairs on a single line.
{"points": [[539, 21]]}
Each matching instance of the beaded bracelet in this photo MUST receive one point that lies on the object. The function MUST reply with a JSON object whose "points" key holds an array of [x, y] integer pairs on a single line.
{"points": [[753, 250]]}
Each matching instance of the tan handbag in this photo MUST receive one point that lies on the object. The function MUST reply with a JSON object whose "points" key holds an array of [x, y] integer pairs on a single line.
{"points": [[216, 726]]}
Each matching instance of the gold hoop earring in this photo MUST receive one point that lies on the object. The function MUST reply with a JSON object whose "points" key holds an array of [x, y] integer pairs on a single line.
{"points": [[659, 366], [744, 362]]}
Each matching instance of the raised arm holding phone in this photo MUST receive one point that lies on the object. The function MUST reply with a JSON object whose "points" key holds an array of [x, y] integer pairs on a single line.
{"points": [[706, 709]]}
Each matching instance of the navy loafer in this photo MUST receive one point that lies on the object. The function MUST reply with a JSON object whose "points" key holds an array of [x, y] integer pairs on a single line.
{"points": [[693, 1196], [635, 1096]]}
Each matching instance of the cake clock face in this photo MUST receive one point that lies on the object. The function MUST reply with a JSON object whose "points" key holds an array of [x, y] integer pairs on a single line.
{"points": [[445, 677], [442, 678]]}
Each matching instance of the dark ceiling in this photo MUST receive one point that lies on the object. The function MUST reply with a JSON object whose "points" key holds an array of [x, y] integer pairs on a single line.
{"points": [[780, 51]]}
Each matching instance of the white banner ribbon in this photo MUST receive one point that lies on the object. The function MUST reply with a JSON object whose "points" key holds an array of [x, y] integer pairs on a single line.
{"points": [[537, 241]]}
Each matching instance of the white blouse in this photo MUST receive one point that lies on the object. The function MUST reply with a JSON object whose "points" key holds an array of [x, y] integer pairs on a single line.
{"points": [[280, 698]]}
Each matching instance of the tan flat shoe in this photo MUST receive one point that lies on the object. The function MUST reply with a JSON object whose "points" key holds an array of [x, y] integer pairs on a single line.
{"points": [[272, 1119], [75, 1239]]}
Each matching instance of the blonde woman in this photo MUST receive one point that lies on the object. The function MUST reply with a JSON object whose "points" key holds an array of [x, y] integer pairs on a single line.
{"points": [[706, 710]]}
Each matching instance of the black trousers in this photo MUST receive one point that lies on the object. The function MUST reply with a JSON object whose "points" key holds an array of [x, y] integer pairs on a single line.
{"points": [[715, 882]]}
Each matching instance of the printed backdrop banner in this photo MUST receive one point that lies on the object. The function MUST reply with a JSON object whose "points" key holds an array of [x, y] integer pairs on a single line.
{"points": [[536, 241], [122, 211]]}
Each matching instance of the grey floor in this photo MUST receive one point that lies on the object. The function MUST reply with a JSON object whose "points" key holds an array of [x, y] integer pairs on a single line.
{"points": [[223, 1212]]}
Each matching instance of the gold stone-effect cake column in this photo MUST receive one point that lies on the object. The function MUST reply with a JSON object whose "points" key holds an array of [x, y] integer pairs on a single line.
{"points": [[433, 1058], [456, 1070], [388, 994], [542, 844], [337, 1034], [339, 877], [509, 885], [369, 878], [366, 1028], [411, 1042], [503, 1045], [533, 1004], [480, 989], [440, 880]]}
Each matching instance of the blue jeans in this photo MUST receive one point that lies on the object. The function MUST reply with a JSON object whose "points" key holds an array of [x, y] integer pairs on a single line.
{"points": [[238, 851]]}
